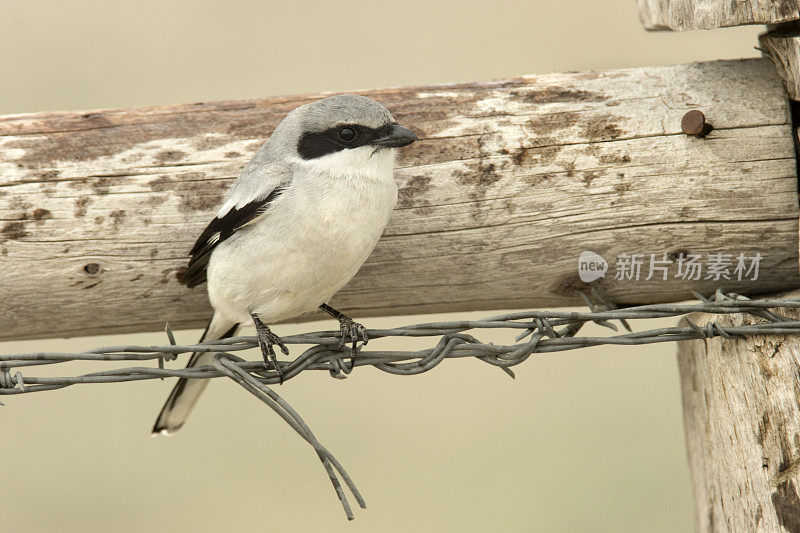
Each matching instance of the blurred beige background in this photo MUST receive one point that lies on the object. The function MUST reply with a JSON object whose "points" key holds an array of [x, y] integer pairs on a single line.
{"points": [[583, 441]]}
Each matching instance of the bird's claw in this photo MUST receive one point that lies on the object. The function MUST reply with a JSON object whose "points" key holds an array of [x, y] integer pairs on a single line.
{"points": [[266, 340], [352, 332]]}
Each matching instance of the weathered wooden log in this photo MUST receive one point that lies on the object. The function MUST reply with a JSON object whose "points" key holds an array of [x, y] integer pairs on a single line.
{"points": [[681, 15], [741, 407], [782, 46], [510, 182]]}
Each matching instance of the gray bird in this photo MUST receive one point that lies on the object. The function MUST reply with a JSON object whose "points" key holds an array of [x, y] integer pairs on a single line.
{"points": [[296, 226]]}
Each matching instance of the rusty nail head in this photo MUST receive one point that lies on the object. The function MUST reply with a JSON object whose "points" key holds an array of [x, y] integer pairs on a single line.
{"points": [[694, 123]]}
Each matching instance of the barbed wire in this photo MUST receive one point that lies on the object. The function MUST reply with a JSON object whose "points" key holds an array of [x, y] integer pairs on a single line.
{"points": [[538, 333]]}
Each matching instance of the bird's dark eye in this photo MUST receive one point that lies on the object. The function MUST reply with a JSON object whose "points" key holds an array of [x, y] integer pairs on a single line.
{"points": [[347, 134]]}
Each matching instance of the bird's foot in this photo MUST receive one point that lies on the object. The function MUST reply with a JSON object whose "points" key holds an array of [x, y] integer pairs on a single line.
{"points": [[351, 332], [266, 341]]}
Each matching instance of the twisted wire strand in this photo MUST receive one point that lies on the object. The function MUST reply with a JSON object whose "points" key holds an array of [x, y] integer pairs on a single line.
{"points": [[539, 332], [324, 354]]}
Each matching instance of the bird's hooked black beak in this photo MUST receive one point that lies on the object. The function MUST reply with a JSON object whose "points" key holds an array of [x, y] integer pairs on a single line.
{"points": [[394, 136]]}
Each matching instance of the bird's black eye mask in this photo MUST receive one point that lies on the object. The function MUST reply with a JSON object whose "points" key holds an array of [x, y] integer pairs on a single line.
{"points": [[318, 144]]}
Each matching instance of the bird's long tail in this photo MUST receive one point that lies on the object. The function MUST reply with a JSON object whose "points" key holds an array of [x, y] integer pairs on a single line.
{"points": [[186, 392]]}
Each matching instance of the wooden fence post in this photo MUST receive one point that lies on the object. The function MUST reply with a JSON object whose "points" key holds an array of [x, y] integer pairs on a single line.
{"points": [[510, 182], [741, 407], [741, 397]]}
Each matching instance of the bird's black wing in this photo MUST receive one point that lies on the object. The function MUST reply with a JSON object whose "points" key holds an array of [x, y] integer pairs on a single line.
{"points": [[220, 229]]}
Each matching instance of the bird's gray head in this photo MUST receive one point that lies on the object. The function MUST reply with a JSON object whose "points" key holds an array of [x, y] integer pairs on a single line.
{"points": [[340, 132]]}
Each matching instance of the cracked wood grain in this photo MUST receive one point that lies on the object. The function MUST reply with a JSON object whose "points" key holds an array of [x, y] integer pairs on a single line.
{"points": [[679, 15], [510, 182], [741, 406], [782, 46]]}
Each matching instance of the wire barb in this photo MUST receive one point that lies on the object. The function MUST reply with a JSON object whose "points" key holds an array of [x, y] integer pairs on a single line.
{"points": [[171, 339]]}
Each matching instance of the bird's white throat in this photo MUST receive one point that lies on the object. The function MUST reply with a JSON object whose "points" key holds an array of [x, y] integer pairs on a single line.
{"points": [[362, 163]]}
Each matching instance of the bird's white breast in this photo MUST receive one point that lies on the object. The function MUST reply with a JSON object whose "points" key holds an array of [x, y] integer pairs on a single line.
{"points": [[311, 242]]}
